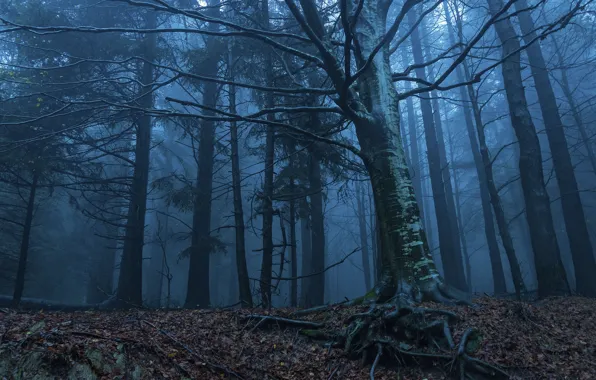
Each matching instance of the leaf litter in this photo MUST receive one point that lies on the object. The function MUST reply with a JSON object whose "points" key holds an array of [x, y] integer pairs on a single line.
{"points": [[552, 339]]}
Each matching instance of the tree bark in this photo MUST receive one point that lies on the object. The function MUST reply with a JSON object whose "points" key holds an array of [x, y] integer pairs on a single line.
{"points": [[316, 291], [130, 280], [267, 201], [305, 237], [241, 267], [447, 225], [552, 279], [582, 253], [19, 285], [198, 287], [292, 222]]}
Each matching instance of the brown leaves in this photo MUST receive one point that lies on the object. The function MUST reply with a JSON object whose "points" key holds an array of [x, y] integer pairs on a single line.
{"points": [[556, 339]]}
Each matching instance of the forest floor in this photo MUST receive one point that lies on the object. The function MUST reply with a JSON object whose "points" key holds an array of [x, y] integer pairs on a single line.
{"points": [[553, 339]]}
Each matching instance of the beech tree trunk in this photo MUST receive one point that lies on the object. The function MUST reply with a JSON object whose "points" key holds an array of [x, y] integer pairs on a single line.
{"points": [[130, 280], [552, 279], [582, 253], [19, 286], [198, 289], [446, 223]]}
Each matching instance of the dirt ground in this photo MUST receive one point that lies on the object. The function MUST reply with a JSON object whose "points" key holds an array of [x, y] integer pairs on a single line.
{"points": [[553, 339]]}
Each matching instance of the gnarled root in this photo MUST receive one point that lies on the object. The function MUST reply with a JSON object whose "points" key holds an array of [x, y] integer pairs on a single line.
{"points": [[407, 333], [398, 335]]}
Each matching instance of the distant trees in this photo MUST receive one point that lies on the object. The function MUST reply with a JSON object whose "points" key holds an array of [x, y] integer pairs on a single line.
{"points": [[549, 267], [305, 78]]}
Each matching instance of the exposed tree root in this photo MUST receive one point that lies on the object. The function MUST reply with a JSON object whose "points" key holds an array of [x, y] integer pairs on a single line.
{"points": [[396, 335]]}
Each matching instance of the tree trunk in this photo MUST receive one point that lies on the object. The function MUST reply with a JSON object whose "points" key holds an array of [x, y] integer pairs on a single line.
{"points": [[198, 289], [305, 237], [494, 254], [158, 249], [447, 226], [363, 236], [458, 234], [460, 224], [241, 267], [101, 266], [19, 285], [552, 279], [292, 221], [316, 290], [584, 262], [267, 209], [130, 280], [374, 237]]}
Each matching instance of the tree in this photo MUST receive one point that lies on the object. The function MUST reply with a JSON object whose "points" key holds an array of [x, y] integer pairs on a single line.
{"points": [[584, 262], [549, 268], [243, 279], [198, 291], [130, 281]]}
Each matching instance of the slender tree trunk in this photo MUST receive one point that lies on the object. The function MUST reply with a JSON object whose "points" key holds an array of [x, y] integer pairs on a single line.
{"points": [[292, 221], [447, 226], [130, 280], [316, 291], [584, 262], [552, 279], [499, 285], [241, 266], [495, 199], [101, 266], [198, 288], [363, 236], [460, 224], [458, 235], [19, 285], [305, 237], [374, 237], [158, 248], [267, 263]]}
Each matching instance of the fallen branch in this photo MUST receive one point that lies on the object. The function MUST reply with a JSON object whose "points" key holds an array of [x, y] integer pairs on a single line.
{"points": [[267, 319], [212, 366]]}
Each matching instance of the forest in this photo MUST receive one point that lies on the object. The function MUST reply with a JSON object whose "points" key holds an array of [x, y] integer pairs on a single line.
{"points": [[291, 189]]}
